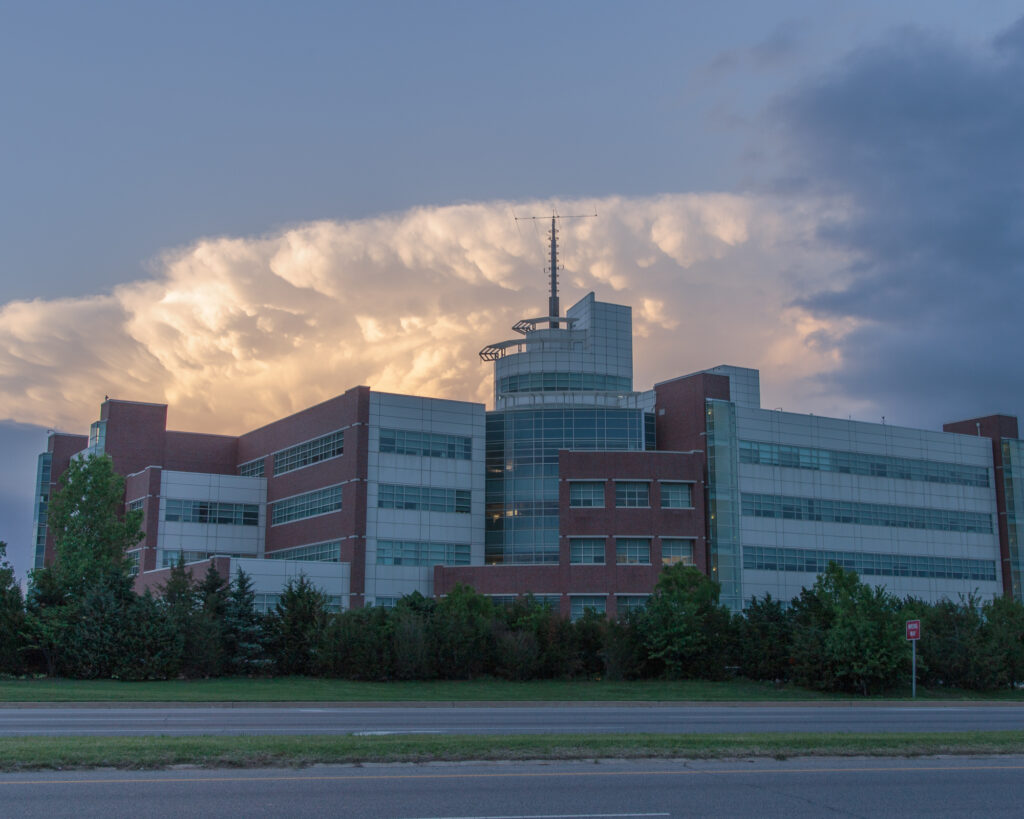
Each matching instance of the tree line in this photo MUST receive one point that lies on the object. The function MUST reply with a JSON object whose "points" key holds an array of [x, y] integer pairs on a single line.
{"points": [[81, 618]]}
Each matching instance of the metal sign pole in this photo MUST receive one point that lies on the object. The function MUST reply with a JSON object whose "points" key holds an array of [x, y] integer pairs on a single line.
{"points": [[913, 670]]}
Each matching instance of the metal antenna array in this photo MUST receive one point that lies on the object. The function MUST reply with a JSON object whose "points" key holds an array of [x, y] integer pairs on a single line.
{"points": [[553, 308]]}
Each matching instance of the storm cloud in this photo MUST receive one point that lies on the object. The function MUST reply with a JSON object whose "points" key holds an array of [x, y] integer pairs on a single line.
{"points": [[235, 331], [922, 138]]}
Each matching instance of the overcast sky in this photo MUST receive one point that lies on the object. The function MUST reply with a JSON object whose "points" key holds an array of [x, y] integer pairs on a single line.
{"points": [[243, 208]]}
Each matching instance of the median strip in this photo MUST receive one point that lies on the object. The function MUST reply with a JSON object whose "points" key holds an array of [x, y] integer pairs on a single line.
{"points": [[36, 753]]}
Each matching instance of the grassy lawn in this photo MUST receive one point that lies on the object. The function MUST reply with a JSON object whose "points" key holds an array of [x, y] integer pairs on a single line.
{"points": [[157, 752], [302, 689]]}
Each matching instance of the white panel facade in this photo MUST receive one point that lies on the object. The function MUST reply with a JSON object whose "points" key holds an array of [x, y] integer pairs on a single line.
{"points": [[438, 417], [211, 538], [599, 342], [819, 433], [269, 577]]}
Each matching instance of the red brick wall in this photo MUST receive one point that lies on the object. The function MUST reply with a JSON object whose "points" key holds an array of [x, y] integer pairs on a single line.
{"points": [[652, 522], [135, 434], [153, 580], [679, 409], [197, 452], [610, 578], [994, 427], [351, 412], [146, 484], [61, 447]]}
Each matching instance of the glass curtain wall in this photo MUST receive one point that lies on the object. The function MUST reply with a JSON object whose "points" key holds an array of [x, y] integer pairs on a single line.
{"points": [[1013, 485], [522, 472]]}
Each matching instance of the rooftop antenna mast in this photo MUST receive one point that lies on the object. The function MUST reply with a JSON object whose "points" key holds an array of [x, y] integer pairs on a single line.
{"points": [[553, 308]]}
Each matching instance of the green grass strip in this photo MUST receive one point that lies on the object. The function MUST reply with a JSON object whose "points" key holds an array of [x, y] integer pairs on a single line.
{"points": [[306, 689], [34, 753]]}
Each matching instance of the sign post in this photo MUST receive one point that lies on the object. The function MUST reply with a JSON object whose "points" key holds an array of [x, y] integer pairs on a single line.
{"points": [[913, 634]]}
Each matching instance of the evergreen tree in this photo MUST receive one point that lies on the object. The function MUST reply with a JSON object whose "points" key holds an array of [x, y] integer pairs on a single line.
{"points": [[297, 627], [12, 617], [765, 633], [244, 636], [462, 633]]}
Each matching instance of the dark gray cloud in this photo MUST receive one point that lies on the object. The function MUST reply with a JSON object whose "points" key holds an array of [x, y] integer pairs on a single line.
{"points": [[923, 139]]}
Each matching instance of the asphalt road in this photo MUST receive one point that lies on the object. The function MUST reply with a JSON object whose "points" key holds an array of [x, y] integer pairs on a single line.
{"points": [[858, 787], [511, 719]]}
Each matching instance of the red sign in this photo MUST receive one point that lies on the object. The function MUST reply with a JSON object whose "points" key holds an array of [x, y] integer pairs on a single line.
{"points": [[913, 629]]}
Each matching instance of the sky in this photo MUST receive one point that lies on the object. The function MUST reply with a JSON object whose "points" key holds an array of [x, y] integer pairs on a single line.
{"points": [[241, 209]]}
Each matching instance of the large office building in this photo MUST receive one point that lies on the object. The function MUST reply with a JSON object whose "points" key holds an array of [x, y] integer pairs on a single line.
{"points": [[576, 487]]}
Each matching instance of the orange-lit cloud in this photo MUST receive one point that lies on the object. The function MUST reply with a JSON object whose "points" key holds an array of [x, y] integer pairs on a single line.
{"points": [[235, 331]]}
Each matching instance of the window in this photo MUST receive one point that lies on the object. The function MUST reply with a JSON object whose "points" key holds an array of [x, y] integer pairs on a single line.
{"points": [[632, 550], [676, 496], [564, 382], [132, 559], [426, 444], [136, 505], [252, 469], [419, 553], [329, 552], [864, 514], [193, 511], [858, 463], [627, 603], [632, 494], [586, 550], [306, 505], [310, 452], [676, 550], [423, 498], [171, 557], [586, 494], [867, 564], [579, 604]]}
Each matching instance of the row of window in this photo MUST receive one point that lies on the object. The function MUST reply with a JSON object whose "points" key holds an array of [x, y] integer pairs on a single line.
{"points": [[783, 559], [266, 603], [136, 505], [318, 502], [170, 557], [329, 552], [194, 511], [864, 514], [579, 604], [631, 550], [564, 382], [421, 553], [310, 452], [426, 444], [423, 498], [857, 463], [252, 469], [630, 495]]}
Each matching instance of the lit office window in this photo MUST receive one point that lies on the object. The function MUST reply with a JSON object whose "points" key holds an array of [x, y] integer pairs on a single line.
{"points": [[676, 550], [632, 550]]}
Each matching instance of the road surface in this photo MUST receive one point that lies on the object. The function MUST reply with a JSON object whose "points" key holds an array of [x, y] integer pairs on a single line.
{"points": [[179, 720], [797, 788]]}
